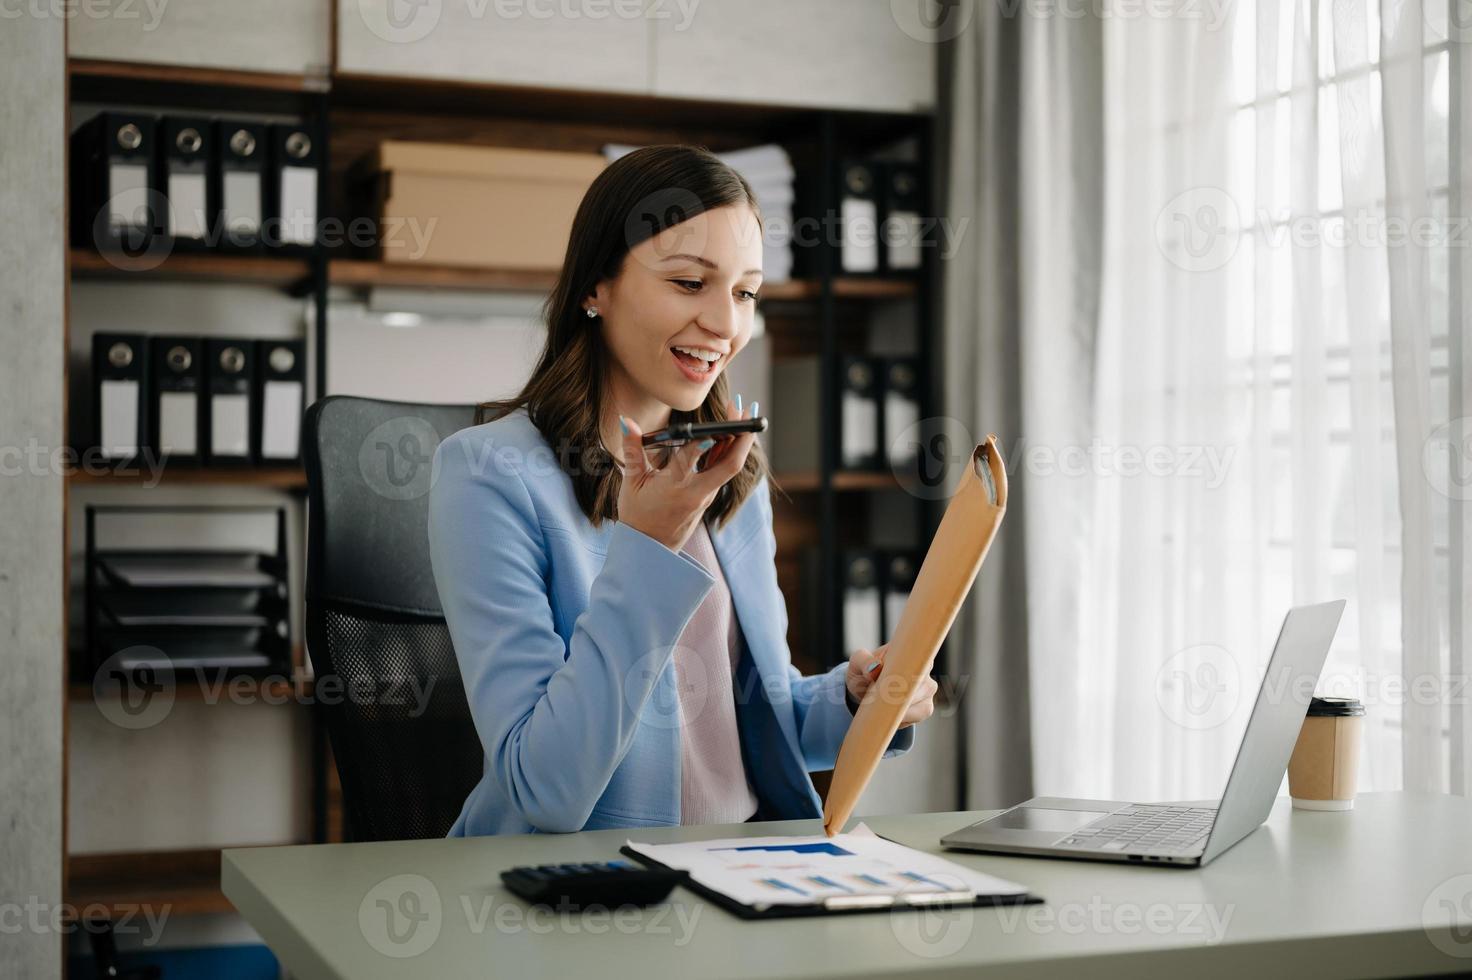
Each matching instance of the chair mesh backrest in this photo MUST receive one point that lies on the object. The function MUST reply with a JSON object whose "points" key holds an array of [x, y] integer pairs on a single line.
{"points": [[388, 683]]}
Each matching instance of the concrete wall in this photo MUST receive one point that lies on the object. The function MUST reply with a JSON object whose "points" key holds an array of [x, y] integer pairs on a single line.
{"points": [[32, 297]]}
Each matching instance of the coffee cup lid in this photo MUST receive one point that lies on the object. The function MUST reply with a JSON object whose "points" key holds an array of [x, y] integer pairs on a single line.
{"points": [[1334, 707]]}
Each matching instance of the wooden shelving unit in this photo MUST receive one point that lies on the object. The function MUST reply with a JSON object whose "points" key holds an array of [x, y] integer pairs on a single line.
{"points": [[844, 288], [118, 72], [186, 882], [828, 311], [586, 120], [257, 270], [274, 477], [812, 481], [360, 273], [183, 882]]}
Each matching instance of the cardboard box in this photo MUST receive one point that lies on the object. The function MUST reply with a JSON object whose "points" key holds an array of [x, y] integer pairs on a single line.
{"points": [[479, 206]]}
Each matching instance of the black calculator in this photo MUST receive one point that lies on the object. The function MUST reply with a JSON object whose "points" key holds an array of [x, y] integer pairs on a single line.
{"points": [[609, 884]]}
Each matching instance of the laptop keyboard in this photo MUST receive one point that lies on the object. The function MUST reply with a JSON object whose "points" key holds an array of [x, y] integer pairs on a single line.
{"points": [[1146, 829]]}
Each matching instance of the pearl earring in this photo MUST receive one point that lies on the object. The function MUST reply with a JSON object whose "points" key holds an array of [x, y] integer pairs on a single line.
{"points": [[592, 312]]}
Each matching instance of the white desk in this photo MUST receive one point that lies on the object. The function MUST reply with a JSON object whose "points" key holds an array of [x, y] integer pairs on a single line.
{"points": [[1311, 894]]}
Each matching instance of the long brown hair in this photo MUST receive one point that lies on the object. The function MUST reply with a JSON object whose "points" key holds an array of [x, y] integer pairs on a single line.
{"points": [[632, 199]]}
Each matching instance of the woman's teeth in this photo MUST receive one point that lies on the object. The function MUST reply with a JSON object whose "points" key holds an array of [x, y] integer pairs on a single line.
{"points": [[695, 362], [709, 356]]}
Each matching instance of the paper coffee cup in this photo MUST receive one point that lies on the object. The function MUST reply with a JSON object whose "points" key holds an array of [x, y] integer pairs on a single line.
{"points": [[1323, 770]]}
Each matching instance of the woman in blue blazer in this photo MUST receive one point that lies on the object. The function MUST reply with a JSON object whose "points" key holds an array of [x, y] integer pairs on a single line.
{"points": [[615, 610]]}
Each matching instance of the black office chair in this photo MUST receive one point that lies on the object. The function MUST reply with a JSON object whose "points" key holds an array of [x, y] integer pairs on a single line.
{"points": [[374, 622]]}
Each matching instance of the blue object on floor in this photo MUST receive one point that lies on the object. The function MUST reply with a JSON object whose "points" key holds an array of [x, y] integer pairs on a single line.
{"points": [[252, 962]]}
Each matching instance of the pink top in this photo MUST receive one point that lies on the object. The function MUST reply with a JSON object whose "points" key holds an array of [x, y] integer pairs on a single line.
{"points": [[713, 784]]}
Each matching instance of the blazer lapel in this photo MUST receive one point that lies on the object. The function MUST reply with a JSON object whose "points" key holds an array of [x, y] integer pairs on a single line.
{"points": [[753, 590]]}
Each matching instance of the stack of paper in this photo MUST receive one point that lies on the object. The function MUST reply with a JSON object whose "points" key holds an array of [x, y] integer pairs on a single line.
{"points": [[769, 171], [856, 868]]}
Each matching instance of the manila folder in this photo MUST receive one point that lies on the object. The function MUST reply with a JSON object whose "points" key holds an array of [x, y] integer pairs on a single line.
{"points": [[955, 556]]}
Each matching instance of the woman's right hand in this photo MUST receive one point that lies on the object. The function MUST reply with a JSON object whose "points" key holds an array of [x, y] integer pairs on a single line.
{"points": [[668, 502]]}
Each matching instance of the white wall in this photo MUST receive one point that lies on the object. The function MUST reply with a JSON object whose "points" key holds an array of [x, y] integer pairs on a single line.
{"points": [[206, 775], [459, 350], [495, 42], [843, 54], [848, 54], [260, 35], [854, 54], [32, 293]]}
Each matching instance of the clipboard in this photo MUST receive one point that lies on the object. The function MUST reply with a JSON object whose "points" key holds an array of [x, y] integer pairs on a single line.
{"points": [[836, 904]]}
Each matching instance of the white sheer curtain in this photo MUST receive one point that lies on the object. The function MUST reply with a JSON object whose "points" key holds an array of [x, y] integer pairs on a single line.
{"points": [[1277, 404]]}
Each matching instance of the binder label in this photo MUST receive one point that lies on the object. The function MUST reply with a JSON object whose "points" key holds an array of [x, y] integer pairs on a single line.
{"points": [[128, 205], [119, 435], [860, 417], [900, 415], [242, 205], [281, 419], [902, 231], [860, 222], [187, 205], [178, 422], [298, 205], [230, 425]]}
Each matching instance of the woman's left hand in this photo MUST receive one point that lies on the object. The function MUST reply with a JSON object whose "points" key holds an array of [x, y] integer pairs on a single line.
{"points": [[859, 679]]}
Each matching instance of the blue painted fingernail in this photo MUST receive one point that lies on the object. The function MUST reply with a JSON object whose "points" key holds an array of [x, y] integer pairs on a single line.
{"points": [[738, 404], [870, 669], [755, 409], [706, 444], [623, 425]]}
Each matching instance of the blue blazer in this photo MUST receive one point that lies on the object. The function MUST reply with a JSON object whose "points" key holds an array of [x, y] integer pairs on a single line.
{"points": [[565, 633]]}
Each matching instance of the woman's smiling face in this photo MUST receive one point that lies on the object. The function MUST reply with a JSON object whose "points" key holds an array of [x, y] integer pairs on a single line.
{"points": [[682, 307]]}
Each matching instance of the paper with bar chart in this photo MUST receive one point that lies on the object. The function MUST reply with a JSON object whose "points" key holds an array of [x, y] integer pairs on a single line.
{"points": [[855, 868]]}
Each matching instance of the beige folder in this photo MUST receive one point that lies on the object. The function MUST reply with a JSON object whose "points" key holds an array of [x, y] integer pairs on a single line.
{"points": [[955, 556]]}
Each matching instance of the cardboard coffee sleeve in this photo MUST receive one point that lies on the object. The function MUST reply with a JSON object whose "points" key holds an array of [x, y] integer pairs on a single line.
{"points": [[1323, 770]]}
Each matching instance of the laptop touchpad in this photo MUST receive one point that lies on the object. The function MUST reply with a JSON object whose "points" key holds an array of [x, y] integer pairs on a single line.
{"points": [[1043, 819], [1026, 826]]}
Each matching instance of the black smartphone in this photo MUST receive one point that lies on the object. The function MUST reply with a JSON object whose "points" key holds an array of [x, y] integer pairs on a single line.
{"points": [[683, 432]]}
